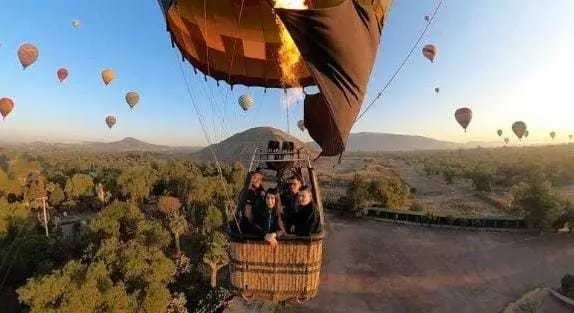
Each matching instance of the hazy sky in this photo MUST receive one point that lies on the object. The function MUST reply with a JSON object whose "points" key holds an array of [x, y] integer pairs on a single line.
{"points": [[506, 59]]}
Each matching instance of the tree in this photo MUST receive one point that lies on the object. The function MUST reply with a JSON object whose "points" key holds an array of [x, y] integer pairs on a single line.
{"points": [[35, 189], [216, 255], [169, 205], [80, 185], [212, 220], [56, 194], [535, 200], [178, 226], [136, 183]]}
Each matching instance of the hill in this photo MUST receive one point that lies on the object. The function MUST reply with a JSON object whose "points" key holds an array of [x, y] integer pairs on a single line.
{"points": [[373, 142], [125, 145], [240, 146]]}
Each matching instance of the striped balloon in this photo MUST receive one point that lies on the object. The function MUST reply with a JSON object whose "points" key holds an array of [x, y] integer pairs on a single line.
{"points": [[111, 121], [246, 102]]}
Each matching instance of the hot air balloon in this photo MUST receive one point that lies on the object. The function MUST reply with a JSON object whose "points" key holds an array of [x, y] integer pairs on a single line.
{"points": [[111, 121], [62, 74], [108, 75], [436, 89], [506, 140], [301, 125], [246, 102], [463, 117], [552, 134], [526, 134], [76, 24], [519, 128], [336, 39], [499, 132], [132, 98], [570, 137], [427, 18], [6, 106], [27, 54], [429, 51]]}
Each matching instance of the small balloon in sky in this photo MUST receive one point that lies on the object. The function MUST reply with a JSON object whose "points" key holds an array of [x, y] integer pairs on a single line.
{"points": [[27, 54], [6, 106]]}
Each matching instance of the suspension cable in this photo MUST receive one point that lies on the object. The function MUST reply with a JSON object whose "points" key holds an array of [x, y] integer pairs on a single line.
{"points": [[404, 61]]}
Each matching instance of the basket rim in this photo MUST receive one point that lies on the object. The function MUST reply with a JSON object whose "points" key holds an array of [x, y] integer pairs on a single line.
{"points": [[254, 239]]}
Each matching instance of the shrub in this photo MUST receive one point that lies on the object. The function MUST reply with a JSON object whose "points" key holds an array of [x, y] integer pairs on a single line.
{"points": [[416, 206], [567, 285]]}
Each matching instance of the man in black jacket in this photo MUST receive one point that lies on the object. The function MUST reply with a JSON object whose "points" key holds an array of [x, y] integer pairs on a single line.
{"points": [[306, 220]]}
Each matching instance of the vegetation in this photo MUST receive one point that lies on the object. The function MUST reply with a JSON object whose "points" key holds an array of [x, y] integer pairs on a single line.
{"points": [[147, 237], [567, 285], [528, 303]]}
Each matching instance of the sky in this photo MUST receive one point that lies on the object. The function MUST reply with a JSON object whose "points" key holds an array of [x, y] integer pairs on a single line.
{"points": [[507, 60]]}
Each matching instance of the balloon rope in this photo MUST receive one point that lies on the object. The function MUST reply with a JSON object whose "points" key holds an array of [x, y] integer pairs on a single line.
{"points": [[204, 130], [403, 63]]}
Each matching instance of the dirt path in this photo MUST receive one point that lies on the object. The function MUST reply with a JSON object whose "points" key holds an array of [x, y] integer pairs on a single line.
{"points": [[372, 266]]}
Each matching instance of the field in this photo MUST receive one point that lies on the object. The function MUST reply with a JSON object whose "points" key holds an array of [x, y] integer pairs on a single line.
{"points": [[475, 182], [152, 225], [374, 266]]}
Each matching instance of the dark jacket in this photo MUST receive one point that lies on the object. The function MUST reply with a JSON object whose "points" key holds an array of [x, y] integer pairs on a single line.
{"points": [[266, 221], [306, 220], [289, 202]]}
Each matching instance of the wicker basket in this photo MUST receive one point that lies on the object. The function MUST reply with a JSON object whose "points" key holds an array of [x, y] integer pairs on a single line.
{"points": [[289, 271]]}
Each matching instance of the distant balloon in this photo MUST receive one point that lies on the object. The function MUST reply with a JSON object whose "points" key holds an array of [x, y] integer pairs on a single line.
{"points": [[427, 18], [463, 117], [506, 140], [111, 121], [6, 106], [436, 89], [519, 128], [76, 24], [526, 134], [429, 51], [301, 125], [132, 98], [108, 75], [570, 136], [246, 102], [62, 74], [552, 134], [27, 54], [499, 132]]}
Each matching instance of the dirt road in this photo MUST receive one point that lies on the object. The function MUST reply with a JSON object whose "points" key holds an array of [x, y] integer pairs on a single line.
{"points": [[373, 266]]}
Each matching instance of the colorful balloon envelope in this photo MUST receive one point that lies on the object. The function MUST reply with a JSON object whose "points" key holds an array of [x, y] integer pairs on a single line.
{"points": [[429, 52], [62, 74], [499, 132], [132, 98], [27, 54], [6, 106], [108, 75], [111, 121], [463, 116], [519, 129], [246, 102]]}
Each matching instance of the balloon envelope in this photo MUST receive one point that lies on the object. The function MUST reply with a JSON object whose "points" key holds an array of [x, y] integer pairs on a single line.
{"points": [[76, 24], [246, 102], [429, 51], [436, 89], [108, 75], [132, 98], [111, 121], [499, 132], [27, 54], [62, 74], [463, 116], [6, 106], [506, 140], [552, 134], [519, 128]]}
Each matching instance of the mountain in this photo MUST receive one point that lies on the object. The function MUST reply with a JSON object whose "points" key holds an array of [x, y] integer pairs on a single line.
{"points": [[372, 142], [125, 145], [240, 146]]}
